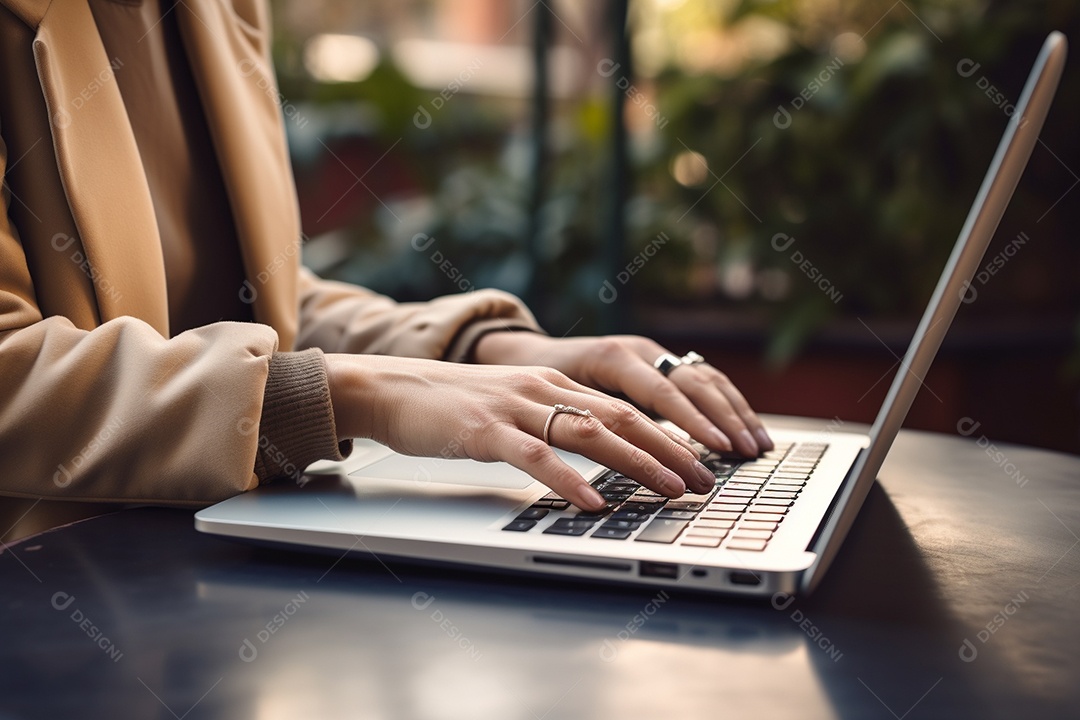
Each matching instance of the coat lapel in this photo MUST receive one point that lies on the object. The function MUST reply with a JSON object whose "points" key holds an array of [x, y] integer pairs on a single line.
{"points": [[99, 163], [231, 67]]}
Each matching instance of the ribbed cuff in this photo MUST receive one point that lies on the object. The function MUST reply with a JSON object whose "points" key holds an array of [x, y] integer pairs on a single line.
{"points": [[297, 425]]}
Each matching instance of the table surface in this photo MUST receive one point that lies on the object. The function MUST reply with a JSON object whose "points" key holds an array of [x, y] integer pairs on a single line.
{"points": [[955, 595]]}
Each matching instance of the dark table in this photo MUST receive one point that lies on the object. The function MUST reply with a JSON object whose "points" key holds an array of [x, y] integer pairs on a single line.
{"points": [[954, 596]]}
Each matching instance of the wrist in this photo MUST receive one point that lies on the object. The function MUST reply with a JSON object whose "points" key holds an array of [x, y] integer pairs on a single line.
{"points": [[506, 347], [352, 396]]}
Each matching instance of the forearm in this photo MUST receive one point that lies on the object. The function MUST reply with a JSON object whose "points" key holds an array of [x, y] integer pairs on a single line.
{"points": [[342, 318], [120, 413]]}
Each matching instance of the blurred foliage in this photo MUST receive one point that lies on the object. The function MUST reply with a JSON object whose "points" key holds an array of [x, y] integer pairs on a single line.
{"points": [[872, 176], [874, 170]]}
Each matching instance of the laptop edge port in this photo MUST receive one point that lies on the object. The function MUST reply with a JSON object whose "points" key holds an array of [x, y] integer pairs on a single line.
{"points": [[744, 577], [668, 571]]}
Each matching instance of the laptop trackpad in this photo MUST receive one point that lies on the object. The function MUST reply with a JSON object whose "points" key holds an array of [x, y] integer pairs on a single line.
{"points": [[462, 472]]}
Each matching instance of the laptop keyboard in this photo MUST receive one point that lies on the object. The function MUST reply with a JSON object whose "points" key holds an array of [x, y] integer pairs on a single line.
{"points": [[750, 500]]}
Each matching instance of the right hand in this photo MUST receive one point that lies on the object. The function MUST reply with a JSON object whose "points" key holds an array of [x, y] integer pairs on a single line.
{"points": [[494, 412]]}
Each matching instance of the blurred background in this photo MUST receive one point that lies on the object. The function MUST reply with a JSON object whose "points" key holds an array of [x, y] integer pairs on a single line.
{"points": [[773, 184]]}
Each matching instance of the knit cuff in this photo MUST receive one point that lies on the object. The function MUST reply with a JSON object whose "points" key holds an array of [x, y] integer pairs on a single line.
{"points": [[297, 425]]}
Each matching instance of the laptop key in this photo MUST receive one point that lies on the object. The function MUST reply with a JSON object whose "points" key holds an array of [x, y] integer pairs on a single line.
{"points": [[568, 529], [676, 514], [742, 534], [533, 513], [706, 532], [610, 533], [585, 522], [699, 541], [778, 494], [641, 507], [729, 507], [621, 525], [763, 517], [773, 502], [719, 467], [595, 513], [714, 515], [685, 505], [733, 485], [553, 504], [734, 492], [631, 515], [760, 474], [646, 495], [758, 525], [662, 530], [520, 525], [717, 524], [753, 545]]}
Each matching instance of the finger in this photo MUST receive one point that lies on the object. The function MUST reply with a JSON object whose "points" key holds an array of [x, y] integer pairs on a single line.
{"points": [[644, 384], [624, 439], [530, 454], [668, 433], [564, 382], [738, 401], [702, 388]]}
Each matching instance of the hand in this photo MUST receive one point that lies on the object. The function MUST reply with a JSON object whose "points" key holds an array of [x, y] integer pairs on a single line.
{"points": [[698, 398], [489, 413]]}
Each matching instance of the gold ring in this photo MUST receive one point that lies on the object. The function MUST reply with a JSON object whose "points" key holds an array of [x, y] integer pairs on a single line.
{"points": [[560, 408]]}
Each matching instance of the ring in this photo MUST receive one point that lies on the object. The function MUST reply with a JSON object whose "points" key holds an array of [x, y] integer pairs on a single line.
{"points": [[560, 408], [666, 363], [692, 358]]}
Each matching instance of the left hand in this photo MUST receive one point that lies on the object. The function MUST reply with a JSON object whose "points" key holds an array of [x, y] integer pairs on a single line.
{"points": [[698, 398]]}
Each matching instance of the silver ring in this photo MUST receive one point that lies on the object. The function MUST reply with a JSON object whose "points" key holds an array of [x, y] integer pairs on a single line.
{"points": [[692, 358], [666, 363], [560, 408]]}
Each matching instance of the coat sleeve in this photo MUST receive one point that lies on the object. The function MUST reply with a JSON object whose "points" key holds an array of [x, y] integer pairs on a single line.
{"points": [[338, 317], [119, 412]]}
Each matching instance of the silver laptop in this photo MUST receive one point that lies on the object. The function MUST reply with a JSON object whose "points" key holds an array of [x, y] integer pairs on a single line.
{"points": [[772, 524]]}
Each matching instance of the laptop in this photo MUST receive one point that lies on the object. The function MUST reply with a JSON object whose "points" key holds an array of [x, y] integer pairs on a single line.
{"points": [[770, 525]]}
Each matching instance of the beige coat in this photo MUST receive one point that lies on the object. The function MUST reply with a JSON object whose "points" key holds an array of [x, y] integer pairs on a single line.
{"points": [[98, 401]]}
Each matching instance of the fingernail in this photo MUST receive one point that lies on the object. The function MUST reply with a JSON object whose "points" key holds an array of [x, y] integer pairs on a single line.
{"points": [[747, 444], [708, 477], [585, 496], [672, 483], [764, 441], [718, 440]]}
